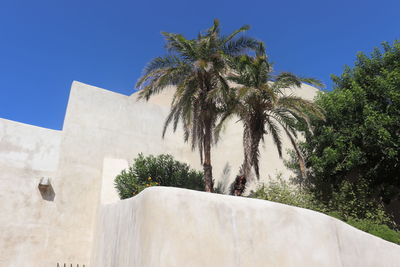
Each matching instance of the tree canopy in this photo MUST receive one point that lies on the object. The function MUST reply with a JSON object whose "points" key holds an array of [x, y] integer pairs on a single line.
{"points": [[360, 137], [196, 68], [263, 106]]}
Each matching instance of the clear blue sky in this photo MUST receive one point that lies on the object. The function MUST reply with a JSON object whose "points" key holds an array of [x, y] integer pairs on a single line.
{"points": [[45, 45]]}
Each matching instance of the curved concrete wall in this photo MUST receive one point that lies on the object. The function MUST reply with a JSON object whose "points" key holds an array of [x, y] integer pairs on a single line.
{"points": [[170, 227], [103, 131]]}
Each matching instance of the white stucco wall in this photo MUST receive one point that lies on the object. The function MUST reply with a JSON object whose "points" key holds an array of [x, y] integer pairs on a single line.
{"points": [[169, 227], [111, 168], [102, 132], [27, 221]]}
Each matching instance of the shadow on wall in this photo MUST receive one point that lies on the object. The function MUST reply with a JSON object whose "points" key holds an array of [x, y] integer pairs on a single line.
{"points": [[46, 189]]}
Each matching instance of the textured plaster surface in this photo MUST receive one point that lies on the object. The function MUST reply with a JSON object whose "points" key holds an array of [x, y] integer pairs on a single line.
{"points": [[102, 132], [170, 227], [111, 168], [27, 221]]}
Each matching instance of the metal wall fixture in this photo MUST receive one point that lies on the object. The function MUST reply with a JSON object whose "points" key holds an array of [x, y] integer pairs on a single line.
{"points": [[44, 184], [46, 189]]}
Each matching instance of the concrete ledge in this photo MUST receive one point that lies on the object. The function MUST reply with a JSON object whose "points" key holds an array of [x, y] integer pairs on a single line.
{"points": [[175, 227]]}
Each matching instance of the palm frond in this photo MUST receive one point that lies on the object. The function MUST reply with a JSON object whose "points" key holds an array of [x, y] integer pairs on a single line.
{"points": [[302, 106], [240, 45], [313, 81], [286, 80], [221, 123], [285, 119], [169, 119], [260, 51], [275, 132], [177, 43], [214, 30], [236, 32], [158, 79], [169, 61]]}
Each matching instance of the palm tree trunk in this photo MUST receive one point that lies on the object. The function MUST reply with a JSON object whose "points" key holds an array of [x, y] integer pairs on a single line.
{"points": [[239, 185], [256, 136], [208, 179], [247, 144]]}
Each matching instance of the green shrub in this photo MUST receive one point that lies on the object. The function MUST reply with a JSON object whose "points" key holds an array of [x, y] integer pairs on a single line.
{"points": [[354, 200], [282, 192], [376, 229], [160, 170], [347, 205]]}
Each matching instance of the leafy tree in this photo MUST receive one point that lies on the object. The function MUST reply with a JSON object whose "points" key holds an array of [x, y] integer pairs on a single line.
{"points": [[360, 137], [263, 107], [160, 170], [196, 67]]}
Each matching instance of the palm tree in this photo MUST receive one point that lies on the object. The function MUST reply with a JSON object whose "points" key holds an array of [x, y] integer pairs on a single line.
{"points": [[196, 67], [260, 103]]}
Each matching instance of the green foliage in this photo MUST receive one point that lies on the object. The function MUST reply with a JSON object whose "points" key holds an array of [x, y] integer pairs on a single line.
{"points": [[283, 192], [353, 200], [347, 205], [160, 170], [376, 229], [359, 141]]}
